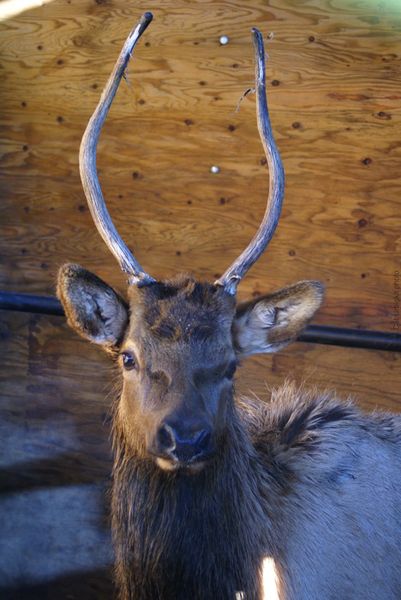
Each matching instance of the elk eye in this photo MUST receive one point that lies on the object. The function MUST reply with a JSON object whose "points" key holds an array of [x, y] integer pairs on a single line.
{"points": [[129, 361]]}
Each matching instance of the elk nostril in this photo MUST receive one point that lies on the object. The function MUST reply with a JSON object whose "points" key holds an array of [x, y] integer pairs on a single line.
{"points": [[166, 438], [183, 446]]}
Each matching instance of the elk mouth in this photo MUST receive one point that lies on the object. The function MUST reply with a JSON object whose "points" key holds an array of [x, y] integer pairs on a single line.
{"points": [[190, 467]]}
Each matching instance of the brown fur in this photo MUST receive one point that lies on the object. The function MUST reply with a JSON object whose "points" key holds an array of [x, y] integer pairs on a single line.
{"points": [[182, 309]]}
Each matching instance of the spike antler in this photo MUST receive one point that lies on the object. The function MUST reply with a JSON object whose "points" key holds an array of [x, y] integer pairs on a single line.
{"points": [[258, 244], [87, 163], [93, 192]]}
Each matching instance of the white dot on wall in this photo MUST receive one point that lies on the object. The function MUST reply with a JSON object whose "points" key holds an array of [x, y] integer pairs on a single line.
{"points": [[224, 39], [214, 169]]}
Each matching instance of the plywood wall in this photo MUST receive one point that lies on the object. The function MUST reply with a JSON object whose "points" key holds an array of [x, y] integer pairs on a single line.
{"points": [[334, 78]]}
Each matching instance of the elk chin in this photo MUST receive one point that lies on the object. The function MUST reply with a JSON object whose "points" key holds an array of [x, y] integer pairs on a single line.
{"points": [[166, 464]]}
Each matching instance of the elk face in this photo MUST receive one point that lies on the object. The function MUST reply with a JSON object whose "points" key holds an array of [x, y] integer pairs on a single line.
{"points": [[178, 341], [177, 344], [178, 364]]}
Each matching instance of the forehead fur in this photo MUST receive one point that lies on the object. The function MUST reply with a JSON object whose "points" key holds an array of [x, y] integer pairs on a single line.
{"points": [[182, 308]]}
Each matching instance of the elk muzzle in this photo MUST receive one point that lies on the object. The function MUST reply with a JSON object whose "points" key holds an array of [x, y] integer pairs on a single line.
{"points": [[182, 445]]}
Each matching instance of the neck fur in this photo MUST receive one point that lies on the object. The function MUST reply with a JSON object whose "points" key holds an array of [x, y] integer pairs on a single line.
{"points": [[180, 536]]}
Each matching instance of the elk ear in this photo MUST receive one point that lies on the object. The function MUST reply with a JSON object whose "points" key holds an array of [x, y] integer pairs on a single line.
{"points": [[270, 322], [92, 307]]}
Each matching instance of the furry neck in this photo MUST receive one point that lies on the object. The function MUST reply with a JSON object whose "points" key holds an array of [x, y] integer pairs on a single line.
{"points": [[180, 536]]}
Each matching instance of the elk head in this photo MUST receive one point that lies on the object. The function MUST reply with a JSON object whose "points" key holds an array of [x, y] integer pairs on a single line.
{"points": [[178, 341]]}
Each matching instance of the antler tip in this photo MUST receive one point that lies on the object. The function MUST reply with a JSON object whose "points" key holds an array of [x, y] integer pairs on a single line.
{"points": [[257, 39], [147, 17]]}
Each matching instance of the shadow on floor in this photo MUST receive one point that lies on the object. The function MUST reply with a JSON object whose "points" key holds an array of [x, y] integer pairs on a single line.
{"points": [[93, 585]]}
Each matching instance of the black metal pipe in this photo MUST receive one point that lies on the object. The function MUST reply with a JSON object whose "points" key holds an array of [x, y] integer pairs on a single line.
{"points": [[354, 338], [47, 305], [317, 334]]}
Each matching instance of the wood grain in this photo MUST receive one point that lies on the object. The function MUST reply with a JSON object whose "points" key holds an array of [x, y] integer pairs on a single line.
{"points": [[334, 94]]}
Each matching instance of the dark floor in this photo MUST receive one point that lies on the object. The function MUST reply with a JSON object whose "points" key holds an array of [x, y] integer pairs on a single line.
{"points": [[93, 585]]}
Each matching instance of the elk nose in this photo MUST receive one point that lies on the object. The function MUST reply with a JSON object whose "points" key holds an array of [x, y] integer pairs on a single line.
{"points": [[183, 446]]}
